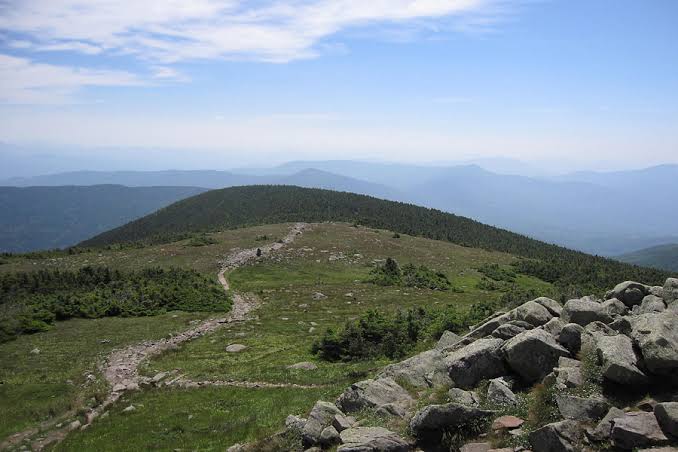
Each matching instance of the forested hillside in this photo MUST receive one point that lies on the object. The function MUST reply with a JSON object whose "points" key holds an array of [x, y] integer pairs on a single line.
{"points": [[36, 218], [662, 256], [244, 206]]}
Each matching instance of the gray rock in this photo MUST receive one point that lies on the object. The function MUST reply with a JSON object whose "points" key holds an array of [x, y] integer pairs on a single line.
{"points": [[670, 290], [570, 337], [552, 305], [667, 416], [305, 365], [614, 307], [318, 296], [477, 361], [629, 292], [237, 447], [619, 361], [371, 439], [341, 422], [563, 436], [320, 417], [486, 328], [235, 348], [533, 354], [429, 424], [508, 330], [499, 393], [129, 409], [295, 424], [600, 327], [476, 447], [329, 436], [650, 304], [461, 397], [533, 313], [427, 369], [657, 291], [657, 337], [637, 429], [568, 373], [554, 326], [604, 427], [374, 394], [622, 325], [584, 311], [580, 408], [448, 339]]}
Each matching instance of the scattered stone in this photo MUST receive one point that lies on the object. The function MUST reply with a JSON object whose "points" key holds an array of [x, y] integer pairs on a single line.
{"points": [[629, 292], [552, 305], [371, 439], [563, 436], [448, 339], [667, 416], [533, 313], [580, 408], [427, 369], [508, 330], [650, 304], [429, 424], [295, 424], [620, 364], [671, 290], [637, 429], [498, 393], [614, 307], [319, 296], [570, 337], [604, 427], [568, 373], [129, 409], [341, 422], [235, 348], [320, 417], [467, 398], [237, 447], [533, 354], [305, 365], [476, 447], [583, 312], [35, 351], [74, 425], [554, 326], [374, 394], [507, 423], [657, 336], [477, 361], [329, 436]]}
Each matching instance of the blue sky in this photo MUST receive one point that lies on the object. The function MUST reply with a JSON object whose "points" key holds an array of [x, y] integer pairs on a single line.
{"points": [[590, 82]]}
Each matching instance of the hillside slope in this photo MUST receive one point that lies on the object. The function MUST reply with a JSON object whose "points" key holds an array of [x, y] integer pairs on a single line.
{"points": [[661, 256], [244, 206], [54, 217]]}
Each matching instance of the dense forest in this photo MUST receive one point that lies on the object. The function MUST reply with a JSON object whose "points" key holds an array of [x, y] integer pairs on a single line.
{"points": [[252, 205], [32, 301]]}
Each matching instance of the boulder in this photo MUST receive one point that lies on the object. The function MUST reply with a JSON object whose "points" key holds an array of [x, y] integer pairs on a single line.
{"points": [[371, 439], [374, 394], [583, 312], [329, 436], [318, 296], [667, 416], [600, 327], [295, 424], [622, 325], [568, 373], [657, 291], [533, 354], [629, 292], [570, 337], [657, 337], [582, 408], [499, 394], [461, 397], [507, 423], [448, 339], [427, 369], [637, 429], [619, 361], [650, 304], [477, 361], [614, 307], [321, 416], [602, 431], [476, 447], [563, 436], [341, 422], [533, 313], [552, 305], [430, 424], [671, 290], [305, 365], [554, 326], [235, 348], [509, 330], [487, 327]]}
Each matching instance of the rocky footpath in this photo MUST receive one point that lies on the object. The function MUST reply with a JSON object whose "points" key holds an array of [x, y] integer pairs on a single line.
{"points": [[591, 374]]}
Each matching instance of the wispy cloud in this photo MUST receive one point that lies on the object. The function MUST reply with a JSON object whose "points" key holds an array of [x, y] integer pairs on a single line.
{"points": [[23, 81], [176, 30]]}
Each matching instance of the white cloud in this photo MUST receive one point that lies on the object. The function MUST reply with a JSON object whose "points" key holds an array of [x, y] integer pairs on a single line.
{"points": [[176, 30], [23, 81]]}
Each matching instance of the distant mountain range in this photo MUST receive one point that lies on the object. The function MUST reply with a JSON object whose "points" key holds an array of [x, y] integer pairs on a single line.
{"points": [[661, 256], [601, 213], [36, 218]]}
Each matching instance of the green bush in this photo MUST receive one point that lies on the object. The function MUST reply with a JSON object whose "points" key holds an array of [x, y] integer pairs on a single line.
{"points": [[390, 274], [201, 240], [31, 302], [497, 273]]}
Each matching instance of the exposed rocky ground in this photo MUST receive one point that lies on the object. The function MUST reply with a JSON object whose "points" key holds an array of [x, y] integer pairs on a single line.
{"points": [[591, 374]]}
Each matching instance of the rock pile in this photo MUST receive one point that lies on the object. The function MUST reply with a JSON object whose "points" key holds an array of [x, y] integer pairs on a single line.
{"points": [[627, 343]]}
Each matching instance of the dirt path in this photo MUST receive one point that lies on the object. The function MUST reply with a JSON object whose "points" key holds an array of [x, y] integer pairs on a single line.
{"points": [[121, 368]]}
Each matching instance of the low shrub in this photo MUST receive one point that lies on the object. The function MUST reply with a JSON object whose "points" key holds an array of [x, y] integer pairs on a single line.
{"points": [[390, 274]]}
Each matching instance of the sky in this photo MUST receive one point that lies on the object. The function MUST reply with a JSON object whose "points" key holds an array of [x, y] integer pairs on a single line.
{"points": [[584, 83]]}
